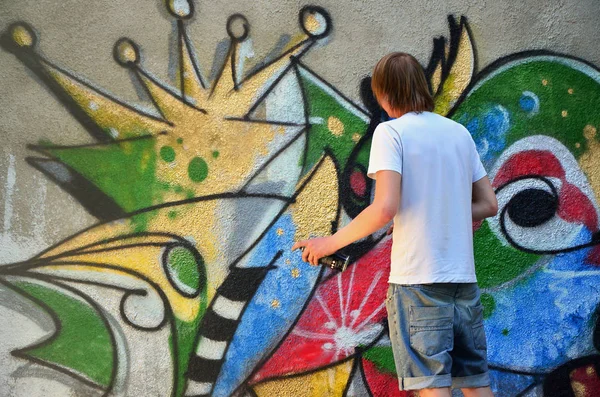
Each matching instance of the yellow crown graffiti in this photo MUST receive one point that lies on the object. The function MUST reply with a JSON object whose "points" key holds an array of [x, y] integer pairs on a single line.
{"points": [[209, 138]]}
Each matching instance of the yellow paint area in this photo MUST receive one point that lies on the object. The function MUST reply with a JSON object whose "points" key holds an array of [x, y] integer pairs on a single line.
{"points": [[105, 112], [328, 382], [316, 205], [21, 36], [126, 52], [235, 162], [458, 78], [590, 160], [436, 78], [335, 125], [312, 24]]}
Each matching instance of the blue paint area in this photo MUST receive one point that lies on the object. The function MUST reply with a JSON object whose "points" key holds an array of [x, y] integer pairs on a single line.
{"points": [[506, 384], [527, 103], [530, 103], [547, 318], [274, 308], [489, 129]]}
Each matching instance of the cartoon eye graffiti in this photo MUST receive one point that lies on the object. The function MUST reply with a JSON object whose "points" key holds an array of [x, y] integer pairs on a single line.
{"points": [[533, 206], [528, 207], [544, 199]]}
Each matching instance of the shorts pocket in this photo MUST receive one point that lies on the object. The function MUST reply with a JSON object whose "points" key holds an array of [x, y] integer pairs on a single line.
{"points": [[477, 327], [431, 329]]}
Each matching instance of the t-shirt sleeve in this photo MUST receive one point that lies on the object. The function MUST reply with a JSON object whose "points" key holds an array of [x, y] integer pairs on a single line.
{"points": [[386, 151], [476, 165]]}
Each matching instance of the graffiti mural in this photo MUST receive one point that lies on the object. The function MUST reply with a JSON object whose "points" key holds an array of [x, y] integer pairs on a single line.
{"points": [[186, 285]]}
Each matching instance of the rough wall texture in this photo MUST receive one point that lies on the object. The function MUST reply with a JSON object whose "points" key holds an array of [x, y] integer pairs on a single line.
{"points": [[159, 159]]}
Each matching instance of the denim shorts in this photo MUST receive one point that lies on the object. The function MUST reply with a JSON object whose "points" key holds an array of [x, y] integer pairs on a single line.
{"points": [[437, 335]]}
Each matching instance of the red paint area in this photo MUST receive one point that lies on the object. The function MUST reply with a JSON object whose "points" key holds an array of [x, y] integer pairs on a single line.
{"points": [[585, 381], [358, 183], [574, 206], [383, 384], [577, 207], [529, 162], [345, 312]]}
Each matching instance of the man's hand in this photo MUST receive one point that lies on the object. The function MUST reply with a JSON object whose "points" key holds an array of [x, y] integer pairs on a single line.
{"points": [[316, 248]]}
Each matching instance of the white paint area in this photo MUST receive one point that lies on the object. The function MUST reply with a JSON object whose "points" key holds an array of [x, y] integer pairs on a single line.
{"points": [[284, 103], [281, 175], [211, 349], [181, 7], [9, 188], [197, 388], [227, 308], [18, 242], [245, 51]]}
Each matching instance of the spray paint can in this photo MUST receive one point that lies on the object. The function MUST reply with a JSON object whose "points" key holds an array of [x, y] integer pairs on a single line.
{"points": [[335, 261]]}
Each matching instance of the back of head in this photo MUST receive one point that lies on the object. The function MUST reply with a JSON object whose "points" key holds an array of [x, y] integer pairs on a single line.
{"points": [[399, 80]]}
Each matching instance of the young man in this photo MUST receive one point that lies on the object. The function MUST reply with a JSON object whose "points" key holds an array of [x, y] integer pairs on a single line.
{"points": [[430, 181]]}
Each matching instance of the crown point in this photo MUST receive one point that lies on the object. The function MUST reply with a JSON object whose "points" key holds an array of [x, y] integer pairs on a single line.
{"points": [[315, 21], [126, 52], [238, 27], [181, 9], [23, 35]]}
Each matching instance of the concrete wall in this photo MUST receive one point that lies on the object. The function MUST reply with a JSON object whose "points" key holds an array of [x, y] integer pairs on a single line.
{"points": [[159, 159]]}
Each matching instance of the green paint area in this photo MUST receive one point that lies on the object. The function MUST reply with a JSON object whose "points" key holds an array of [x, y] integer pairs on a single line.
{"points": [[184, 270], [125, 171], [197, 169], [172, 214], [489, 305], [382, 357], [505, 332], [180, 140], [568, 101], [167, 153], [335, 112], [185, 336], [189, 274], [496, 263], [82, 343], [215, 154]]}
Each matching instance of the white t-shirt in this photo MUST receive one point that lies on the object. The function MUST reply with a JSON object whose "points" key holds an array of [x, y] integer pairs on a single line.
{"points": [[438, 161]]}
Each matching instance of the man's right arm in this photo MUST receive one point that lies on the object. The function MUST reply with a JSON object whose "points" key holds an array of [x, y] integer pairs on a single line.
{"points": [[484, 203]]}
